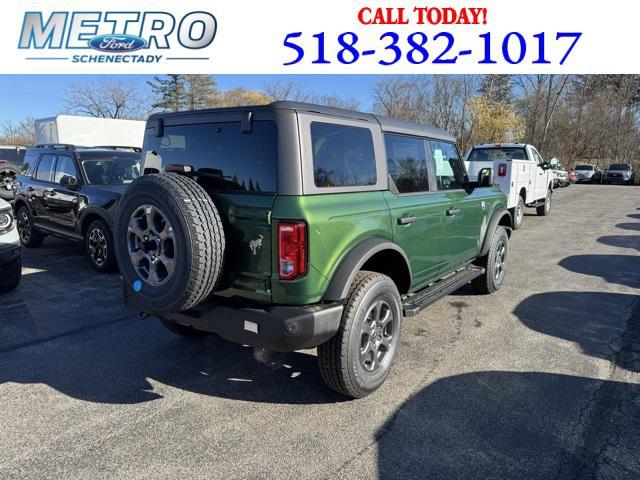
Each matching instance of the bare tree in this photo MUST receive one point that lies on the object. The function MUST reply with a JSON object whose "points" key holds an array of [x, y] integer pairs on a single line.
{"points": [[107, 99], [21, 133]]}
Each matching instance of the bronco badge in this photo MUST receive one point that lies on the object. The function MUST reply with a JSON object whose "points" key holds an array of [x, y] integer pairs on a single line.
{"points": [[256, 244]]}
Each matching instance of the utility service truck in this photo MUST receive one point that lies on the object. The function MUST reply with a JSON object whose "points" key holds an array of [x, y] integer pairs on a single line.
{"points": [[520, 172]]}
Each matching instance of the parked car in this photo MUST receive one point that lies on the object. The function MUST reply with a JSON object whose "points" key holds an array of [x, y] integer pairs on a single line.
{"points": [[560, 175], [573, 175], [291, 226], [521, 173], [11, 158], [619, 173], [588, 173], [72, 193], [10, 260]]}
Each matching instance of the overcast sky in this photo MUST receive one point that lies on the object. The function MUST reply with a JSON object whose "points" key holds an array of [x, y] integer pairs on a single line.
{"points": [[41, 96]]}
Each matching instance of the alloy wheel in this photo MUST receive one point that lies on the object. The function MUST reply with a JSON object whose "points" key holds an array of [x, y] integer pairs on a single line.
{"points": [[500, 262], [24, 226], [98, 247], [378, 336], [152, 245]]}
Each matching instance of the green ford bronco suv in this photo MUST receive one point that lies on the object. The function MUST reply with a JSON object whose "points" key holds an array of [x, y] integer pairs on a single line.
{"points": [[291, 226]]}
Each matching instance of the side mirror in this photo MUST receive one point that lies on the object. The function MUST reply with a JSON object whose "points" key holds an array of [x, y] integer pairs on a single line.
{"points": [[545, 166], [69, 182], [485, 177]]}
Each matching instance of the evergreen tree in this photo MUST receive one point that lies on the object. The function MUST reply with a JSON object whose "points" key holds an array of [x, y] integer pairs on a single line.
{"points": [[497, 88], [201, 91], [169, 92]]}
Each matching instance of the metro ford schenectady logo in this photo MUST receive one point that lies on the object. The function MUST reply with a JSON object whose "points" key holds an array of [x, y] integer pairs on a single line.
{"points": [[122, 37], [117, 43]]}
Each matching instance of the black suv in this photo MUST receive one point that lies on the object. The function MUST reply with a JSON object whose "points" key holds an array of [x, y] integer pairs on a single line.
{"points": [[72, 193]]}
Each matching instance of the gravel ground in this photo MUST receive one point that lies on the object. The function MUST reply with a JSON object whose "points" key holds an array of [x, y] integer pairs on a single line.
{"points": [[540, 380]]}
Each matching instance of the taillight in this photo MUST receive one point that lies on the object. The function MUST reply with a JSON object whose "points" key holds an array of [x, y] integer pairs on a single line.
{"points": [[292, 250], [502, 169]]}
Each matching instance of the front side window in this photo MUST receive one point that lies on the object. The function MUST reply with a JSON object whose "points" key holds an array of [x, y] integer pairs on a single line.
{"points": [[65, 167], [448, 166], [220, 155], [343, 156], [45, 167], [407, 162]]}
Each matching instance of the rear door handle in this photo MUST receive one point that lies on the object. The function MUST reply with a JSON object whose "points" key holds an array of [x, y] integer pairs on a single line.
{"points": [[452, 212], [406, 220]]}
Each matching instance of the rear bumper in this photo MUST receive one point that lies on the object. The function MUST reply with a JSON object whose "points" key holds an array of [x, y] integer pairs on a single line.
{"points": [[275, 327]]}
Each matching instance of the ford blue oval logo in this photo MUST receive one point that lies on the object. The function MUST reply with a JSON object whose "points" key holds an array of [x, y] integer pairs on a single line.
{"points": [[117, 43]]}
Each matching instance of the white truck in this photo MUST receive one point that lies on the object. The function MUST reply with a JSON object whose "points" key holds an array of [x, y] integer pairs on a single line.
{"points": [[89, 131], [521, 173]]}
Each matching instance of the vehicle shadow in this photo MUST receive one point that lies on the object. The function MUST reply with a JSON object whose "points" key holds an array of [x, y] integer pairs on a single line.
{"points": [[635, 216], [620, 269], [514, 425], [623, 241], [629, 226], [529, 425], [592, 320], [76, 336]]}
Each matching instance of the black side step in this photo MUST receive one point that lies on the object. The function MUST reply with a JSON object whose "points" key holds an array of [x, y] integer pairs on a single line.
{"points": [[423, 298]]}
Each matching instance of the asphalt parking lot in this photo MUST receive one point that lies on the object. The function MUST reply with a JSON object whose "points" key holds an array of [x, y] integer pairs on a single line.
{"points": [[541, 380]]}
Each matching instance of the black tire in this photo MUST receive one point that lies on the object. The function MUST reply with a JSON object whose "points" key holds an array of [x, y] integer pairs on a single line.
{"points": [[183, 330], [496, 259], [543, 210], [518, 213], [98, 243], [343, 365], [8, 174], [11, 276], [193, 255], [30, 236]]}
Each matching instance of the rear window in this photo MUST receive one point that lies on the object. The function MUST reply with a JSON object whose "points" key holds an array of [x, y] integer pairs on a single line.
{"points": [[491, 154], [221, 156], [343, 156]]}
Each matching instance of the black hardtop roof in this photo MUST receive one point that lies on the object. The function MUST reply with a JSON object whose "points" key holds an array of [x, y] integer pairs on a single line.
{"points": [[388, 124]]}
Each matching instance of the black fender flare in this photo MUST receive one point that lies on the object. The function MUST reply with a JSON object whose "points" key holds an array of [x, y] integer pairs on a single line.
{"points": [[352, 263], [96, 212], [494, 222]]}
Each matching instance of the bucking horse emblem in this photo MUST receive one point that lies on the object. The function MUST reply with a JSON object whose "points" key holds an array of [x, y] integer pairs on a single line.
{"points": [[256, 244]]}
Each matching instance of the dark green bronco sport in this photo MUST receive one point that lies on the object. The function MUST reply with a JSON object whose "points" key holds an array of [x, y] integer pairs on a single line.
{"points": [[291, 226]]}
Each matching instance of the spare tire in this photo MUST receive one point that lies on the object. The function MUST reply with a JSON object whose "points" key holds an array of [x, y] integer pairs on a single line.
{"points": [[169, 242], [8, 174]]}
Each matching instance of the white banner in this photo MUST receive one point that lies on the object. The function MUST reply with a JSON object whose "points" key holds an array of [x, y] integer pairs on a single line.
{"points": [[328, 36]]}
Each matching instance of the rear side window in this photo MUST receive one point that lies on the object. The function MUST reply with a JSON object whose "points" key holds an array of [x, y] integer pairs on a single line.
{"points": [[343, 156], [30, 161], [407, 161], [221, 156], [45, 168]]}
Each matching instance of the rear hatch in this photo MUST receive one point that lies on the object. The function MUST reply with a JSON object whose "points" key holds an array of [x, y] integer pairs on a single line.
{"points": [[236, 165]]}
